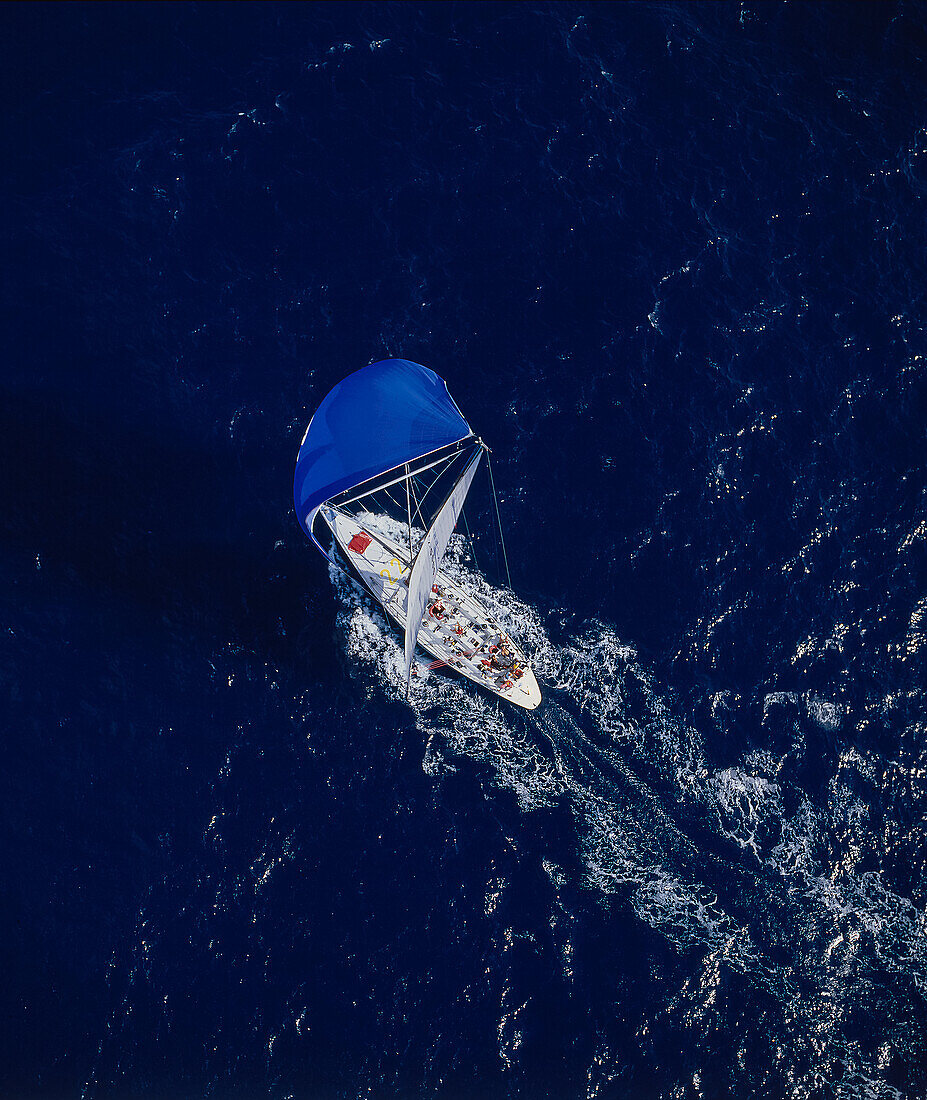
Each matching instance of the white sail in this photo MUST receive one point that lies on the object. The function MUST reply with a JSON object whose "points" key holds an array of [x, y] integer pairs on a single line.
{"points": [[429, 558]]}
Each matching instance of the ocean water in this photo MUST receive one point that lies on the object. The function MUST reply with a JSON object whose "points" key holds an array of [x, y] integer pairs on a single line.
{"points": [[670, 259]]}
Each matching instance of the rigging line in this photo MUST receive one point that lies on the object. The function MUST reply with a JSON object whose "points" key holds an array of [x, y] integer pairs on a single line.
{"points": [[505, 556], [395, 481], [422, 485], [470, 537], [372, 502], [450, 491], [390, 497], [431, 486], [409, 511], [410, 499], [417, 510], [495, 544]]}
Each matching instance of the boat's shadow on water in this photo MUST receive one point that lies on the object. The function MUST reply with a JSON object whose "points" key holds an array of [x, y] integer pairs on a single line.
{"points": [[140, 579], [154, 523], [145, 579]]}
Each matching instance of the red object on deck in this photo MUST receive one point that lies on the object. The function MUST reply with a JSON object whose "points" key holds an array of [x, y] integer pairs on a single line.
{"points": [[360, 542]]}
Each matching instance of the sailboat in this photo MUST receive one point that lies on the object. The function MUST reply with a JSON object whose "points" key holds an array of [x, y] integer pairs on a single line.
{"points": [[386, 464]]}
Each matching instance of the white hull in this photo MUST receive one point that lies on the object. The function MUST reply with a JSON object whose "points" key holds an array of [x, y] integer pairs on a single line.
{"points": [[464, 641]]}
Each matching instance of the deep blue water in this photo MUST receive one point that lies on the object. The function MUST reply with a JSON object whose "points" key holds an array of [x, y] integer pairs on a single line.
{"points": [[671, 261]]}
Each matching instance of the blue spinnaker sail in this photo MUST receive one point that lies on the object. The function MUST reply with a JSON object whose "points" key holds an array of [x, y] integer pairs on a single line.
{"points": [[378, 418]]}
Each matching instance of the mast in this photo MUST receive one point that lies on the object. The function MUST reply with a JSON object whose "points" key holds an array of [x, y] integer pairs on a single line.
{"points": [[431, 551]]}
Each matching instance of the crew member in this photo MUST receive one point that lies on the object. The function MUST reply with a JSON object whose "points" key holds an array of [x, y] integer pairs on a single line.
{"points": [[506, 657]]}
